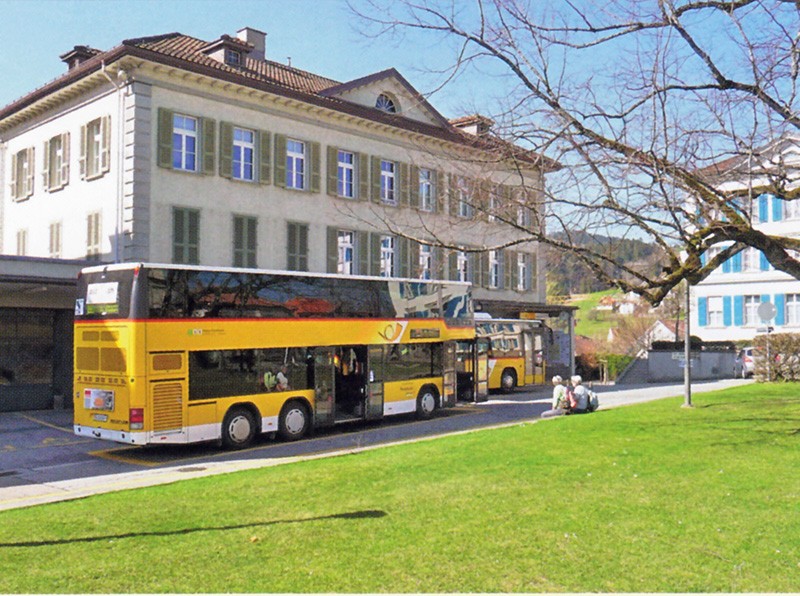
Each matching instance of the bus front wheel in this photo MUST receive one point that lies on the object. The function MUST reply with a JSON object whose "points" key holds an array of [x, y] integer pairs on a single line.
{"points": [[426, 403], [238, 428], [294, 421]]}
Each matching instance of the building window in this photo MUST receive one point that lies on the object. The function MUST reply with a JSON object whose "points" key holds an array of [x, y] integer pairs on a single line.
{"points": [[462, 266], [494, 269], [93, 236], [750, 259], [95, 148], [184, 143], [524, 216], [22, 243], [387, 256], [792, 208], [347, 249], [233, 57], [523, 278], [425, 190], [464, 204], [750, 314], [243, 153], [297, 247], [55, 240], [425, 261], [346, 174], [716, 317], [295, 164], [386, 103], [792, 309], [22, 174], [245, 245], [388, 182], [495, 200], [56, 162], [185, 236]]}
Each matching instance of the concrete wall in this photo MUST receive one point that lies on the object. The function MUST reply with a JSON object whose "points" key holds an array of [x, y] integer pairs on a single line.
{"points": [[668, 366]]}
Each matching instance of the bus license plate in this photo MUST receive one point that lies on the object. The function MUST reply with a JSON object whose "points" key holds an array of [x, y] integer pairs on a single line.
{"points": [[100, 417]]}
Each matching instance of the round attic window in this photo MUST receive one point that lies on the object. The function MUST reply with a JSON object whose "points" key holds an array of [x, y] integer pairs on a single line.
{"points": [[386, 104]]}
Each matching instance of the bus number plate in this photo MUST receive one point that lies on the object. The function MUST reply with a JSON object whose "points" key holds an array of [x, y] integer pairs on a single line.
{"points": [[100, 417]]}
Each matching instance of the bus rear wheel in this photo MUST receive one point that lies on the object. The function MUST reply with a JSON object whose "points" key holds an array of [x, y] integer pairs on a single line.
{"points": [[294, 421], [426, 403], [508, 380], [238, 428]]}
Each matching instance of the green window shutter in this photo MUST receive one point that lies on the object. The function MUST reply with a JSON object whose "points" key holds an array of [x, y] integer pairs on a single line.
{"points": [[105, 144], [164, 152], [452, 266], [438, 191], [238, 241], [208, 144], [46, 166], [413, 180], [404, 172], [402, 256], [14, 190], [362, 250], [297, 247], [437, 266], [375, 179], [226, 149], [65, 159], [363, 176], [374, 254], [315, 158], [452, 195], [483, 277], [510, 269], [264, 157], [332, 170], [280, 160], [531, 283], [333, 250], [413, 260], [302, 247], [291, 244]]}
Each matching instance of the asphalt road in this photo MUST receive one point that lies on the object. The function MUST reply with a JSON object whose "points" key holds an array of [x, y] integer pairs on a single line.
{"points": [[41, 460]]}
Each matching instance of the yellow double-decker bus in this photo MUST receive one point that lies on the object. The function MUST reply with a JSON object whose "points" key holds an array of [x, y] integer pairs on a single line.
{"points": [[184, 354], [516, 349]]}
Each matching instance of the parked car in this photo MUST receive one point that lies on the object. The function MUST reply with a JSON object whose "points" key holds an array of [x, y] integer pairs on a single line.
{"points": [[744, 365]]}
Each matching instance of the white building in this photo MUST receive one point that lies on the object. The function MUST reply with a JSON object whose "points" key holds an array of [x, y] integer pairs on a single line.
{"points": [[725, 305], [175, 149]]}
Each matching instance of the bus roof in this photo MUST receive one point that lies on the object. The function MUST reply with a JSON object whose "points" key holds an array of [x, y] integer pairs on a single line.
{"points": [[141, 265]]}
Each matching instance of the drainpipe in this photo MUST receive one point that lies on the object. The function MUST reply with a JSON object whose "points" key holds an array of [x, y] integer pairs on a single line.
{"points": [[119, 224]]}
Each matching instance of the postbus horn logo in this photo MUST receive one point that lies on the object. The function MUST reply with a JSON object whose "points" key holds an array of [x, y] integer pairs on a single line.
{"points": [[393, 332]]}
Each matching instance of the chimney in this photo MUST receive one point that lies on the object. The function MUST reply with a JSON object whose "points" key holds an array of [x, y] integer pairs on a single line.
{"points": [[258, 39], [78, 55]]}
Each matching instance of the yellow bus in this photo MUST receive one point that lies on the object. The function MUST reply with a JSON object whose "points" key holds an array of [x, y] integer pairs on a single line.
{"points": [[516, 352], [170, 354]]}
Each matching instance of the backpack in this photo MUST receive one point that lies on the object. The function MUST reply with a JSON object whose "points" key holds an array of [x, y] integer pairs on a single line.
{"points": [[593, 401]]}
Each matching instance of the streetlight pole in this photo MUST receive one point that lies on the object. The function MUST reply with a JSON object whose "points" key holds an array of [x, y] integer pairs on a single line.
{"points": [[687, 352]]}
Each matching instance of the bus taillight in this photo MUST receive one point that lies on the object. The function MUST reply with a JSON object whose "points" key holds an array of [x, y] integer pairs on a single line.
{"points": [[137, 418]]}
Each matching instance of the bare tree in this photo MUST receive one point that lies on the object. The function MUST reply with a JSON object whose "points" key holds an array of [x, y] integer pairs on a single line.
{"points": [[668, 117]]}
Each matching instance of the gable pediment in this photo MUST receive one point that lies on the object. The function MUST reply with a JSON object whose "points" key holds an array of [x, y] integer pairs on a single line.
{"points": [[388, 89]]}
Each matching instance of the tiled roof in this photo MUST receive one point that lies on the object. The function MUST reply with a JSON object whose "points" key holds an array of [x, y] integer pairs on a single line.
{"points": [[190, 49]]}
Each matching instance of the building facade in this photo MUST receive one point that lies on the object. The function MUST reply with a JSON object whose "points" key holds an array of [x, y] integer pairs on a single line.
{"points": [[726, 304], [178, 150]]}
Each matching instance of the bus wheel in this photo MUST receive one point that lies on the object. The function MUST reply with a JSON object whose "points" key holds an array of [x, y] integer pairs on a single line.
{"points": [[294, 421], [508, 380], [238, 428], [426, 403]]}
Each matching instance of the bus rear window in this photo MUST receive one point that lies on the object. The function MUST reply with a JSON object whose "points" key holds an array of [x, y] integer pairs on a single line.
{"points": [[104, 295]]}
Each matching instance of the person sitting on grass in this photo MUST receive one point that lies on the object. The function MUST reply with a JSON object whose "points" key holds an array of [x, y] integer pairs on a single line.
{"points": [[578, 397], [560, 404]]}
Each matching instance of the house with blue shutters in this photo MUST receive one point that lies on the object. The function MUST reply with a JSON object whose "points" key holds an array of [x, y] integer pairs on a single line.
{"points": [[726, 303]]}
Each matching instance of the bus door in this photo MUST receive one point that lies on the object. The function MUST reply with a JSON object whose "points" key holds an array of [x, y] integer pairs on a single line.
{"points": [[375, 383], [530, 356], [449, 375], [481, 369], [324, 386]]}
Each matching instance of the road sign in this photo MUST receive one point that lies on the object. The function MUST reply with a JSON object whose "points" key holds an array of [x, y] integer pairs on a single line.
{"points": [[767, 311]]}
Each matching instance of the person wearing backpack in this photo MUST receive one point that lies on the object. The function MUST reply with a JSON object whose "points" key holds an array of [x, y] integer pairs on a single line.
{"points": [[579, 396]]}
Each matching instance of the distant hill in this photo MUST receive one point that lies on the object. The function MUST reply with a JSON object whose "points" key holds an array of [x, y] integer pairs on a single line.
{"points": [[567, 275]]}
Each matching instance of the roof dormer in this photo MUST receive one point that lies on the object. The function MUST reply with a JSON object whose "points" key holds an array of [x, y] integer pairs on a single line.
{"points": [[475, 124], [228, 50]]}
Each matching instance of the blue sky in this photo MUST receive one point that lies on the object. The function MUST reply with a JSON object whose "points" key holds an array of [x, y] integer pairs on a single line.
{"points": [[321, 36]]}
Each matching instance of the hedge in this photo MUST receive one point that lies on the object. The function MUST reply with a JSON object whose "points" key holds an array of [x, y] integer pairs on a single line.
{"points": [[784, 350]]}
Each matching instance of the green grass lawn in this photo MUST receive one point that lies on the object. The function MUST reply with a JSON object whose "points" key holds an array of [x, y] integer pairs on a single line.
{"points": [[647, 498]]}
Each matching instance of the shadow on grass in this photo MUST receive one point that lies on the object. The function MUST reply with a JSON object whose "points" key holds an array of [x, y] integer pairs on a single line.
{"points": [[366, 514]]}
